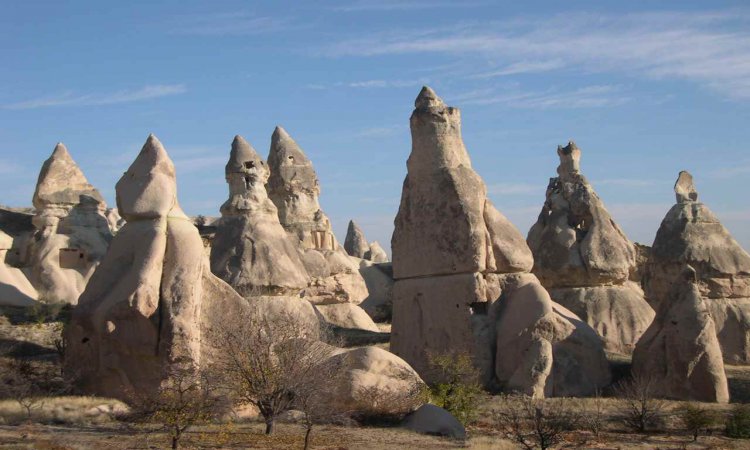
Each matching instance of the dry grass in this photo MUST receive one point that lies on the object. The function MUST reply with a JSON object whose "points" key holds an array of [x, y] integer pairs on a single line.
{"points": [[77, 411]]}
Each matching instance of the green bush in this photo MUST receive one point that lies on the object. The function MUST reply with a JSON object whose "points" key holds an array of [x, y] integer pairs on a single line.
{"points": [[458, 390], [738, 422], [696, 418]]}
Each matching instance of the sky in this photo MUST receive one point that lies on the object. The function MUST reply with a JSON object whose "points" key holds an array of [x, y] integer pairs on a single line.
{"points": [[645, 88]]}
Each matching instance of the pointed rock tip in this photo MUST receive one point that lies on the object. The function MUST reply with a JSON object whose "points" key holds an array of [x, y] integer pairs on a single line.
{"points": [[427, 98], [60, 150], [568, 149], [280, 133], [684, 188]]}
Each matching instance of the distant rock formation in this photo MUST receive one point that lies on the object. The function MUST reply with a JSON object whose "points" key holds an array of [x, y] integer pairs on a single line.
{"points": [[293, 187], [72, 231], [680, 353], [250, 250], [15, 288], [691, 234], [149, 302], [376, 253], [462, 281], [585, 260], [355, 243]]}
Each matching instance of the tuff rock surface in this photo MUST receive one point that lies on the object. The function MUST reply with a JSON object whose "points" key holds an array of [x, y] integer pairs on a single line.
{"points": [[585, 260], [251, 250], [456, 265], [149, 303], [691, 234], [355, 243], [680, 352], [72, 232]]}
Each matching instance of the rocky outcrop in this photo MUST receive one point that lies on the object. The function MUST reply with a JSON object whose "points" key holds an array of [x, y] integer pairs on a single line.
{"points": [[585, 260], [15, 288], [72, 232], [355, 243], [346, 315], [691, 234], [379, 280], [376, 253], [294, 188], [250, 249], [457, 262], [149, 303], [680, 353]]}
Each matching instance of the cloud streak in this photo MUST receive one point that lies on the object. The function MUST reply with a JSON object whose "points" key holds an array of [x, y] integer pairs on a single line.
{"points": [[227, 24], [70, 98], [390, 5], [711, 49], [595, 96]]}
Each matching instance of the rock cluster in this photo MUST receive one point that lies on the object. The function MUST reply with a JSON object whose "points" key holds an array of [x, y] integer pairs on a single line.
{"points": [[294, 188], [691, 234], [15, 288], [250, 250], [462, 276], [152, 297], [680, 354], [356, 245], [585, 260], [72, 231]]}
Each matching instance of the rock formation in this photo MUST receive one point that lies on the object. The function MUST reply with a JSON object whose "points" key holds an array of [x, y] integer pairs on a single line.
{"points": [[250, 250], [585, 260], [691, 234], [346, 315], [355, 243], [15, 288], [72, 232], [461, 269], [153, 296], [680, 353], [293, 187], [376, 253]]}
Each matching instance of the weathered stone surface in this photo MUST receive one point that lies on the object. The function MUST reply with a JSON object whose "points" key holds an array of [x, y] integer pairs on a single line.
{"points": [[72, 232], [680, 352], [355, 243], [376, 253], [151, 299], [294, 188], [379, 280], [251, 250], [346, 315], [435, 421], [618, 313], [15, 288], [374, 381], [584, 258], [691, 234], [454, 258], [542, 348]]}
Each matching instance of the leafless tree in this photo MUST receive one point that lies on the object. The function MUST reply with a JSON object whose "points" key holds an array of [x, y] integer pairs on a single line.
{"points": [[537, 422], [640, 409], [592, 413], [185, 398], [274, 364], [29, 382]]}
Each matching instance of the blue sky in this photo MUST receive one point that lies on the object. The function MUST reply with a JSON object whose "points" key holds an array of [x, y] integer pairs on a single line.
{"points": [[645, 88]]}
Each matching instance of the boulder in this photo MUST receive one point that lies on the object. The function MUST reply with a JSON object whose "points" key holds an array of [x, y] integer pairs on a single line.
{"points": [[435, 421], [294, 188], [150, 302], [347, 315], [691, 234], [15, 288], [72, 232], [251, 250], [355, 243], [379, 280], [581, 255], [454, 258], [680, 352], [374, 382], [376, 253]]}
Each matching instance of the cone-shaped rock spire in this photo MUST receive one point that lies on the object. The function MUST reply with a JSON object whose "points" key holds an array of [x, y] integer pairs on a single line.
{"points": [[355, 243], [62, 182]]}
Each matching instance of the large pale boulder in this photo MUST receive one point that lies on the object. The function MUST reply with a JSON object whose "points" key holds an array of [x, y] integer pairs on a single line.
{"points": [[346, 315], [149, 303], [454, 256], [376, 253], [691, 234], [15, 288], [680, 352], [585, 260], [294, 188], [72, 232], [435, 421], [250, 249], [379, 280]]}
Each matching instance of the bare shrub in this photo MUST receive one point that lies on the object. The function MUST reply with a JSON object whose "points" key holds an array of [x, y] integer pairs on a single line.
{"points": [[640, 409], [458, 390], [592, 414], [184, 399], [383, 407], [270, 363], [696, 418], [537, 423], [28, 382]]}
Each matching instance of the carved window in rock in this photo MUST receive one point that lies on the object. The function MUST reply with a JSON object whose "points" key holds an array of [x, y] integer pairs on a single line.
{"points": [[72, 258], [13, 257], [322, 240]]}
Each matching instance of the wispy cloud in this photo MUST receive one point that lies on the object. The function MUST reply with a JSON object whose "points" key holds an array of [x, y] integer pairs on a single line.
{"points": [[596, 96], [743, 168], [624, 182], [371, 84], [71, 98], [514, 189], [227, 24], [708, 48], [391, 5]]}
